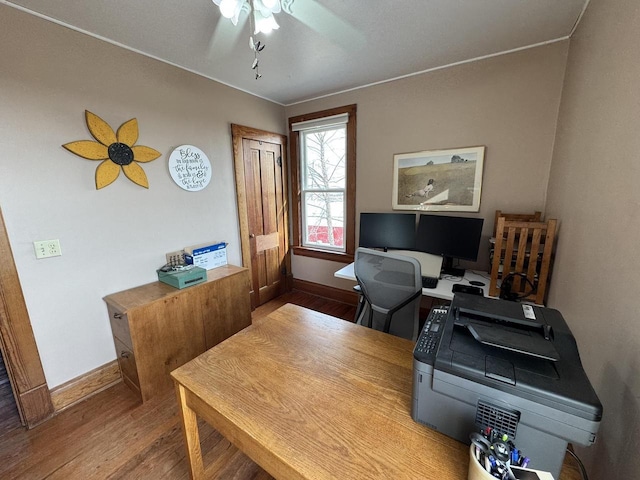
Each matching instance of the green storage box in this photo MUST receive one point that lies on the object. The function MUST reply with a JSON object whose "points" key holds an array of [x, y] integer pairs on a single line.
{"points": [[186, 277]]}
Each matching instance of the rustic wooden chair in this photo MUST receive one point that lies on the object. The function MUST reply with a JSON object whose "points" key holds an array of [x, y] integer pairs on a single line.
{"points": [[520, 217], [523, 250]]}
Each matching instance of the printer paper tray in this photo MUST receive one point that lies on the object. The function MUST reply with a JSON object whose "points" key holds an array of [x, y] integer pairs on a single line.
{"points": [[529, 344]]}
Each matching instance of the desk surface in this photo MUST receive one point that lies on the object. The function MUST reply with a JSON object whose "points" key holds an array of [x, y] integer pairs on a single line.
{"points": [[309, 396], [445, 285]]}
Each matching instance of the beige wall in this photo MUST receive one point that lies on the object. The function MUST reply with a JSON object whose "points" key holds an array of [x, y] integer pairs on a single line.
{"points": [[114, 238], [508, 103], [593, 189]]}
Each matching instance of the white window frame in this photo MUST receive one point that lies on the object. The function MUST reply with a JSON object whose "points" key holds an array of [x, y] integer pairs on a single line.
{"points": [[304, 190]]}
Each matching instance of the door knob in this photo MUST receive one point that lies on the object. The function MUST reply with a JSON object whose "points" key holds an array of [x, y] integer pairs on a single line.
{"points": [[251, 235]]}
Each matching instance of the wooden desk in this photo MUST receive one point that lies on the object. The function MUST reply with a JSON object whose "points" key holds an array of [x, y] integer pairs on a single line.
{"points": [[308, 396]]}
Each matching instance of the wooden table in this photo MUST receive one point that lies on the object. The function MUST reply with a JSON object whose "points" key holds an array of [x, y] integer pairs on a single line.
{"points": [[309, 396]]}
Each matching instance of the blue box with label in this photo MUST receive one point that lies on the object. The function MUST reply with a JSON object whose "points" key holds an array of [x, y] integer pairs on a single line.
{"points": [[207, 256]]}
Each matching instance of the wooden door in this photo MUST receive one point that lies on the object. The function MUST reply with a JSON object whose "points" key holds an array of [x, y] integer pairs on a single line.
{"points": [[18, 344], [261, 181]]}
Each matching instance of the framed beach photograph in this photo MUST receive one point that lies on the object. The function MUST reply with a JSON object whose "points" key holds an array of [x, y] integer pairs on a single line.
{"points": [[438, 180]]}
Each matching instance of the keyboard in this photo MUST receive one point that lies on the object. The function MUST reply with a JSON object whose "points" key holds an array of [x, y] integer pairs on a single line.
{"points": [[429, 282]]}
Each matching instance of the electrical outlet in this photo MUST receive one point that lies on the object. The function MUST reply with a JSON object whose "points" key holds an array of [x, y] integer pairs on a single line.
{"points": [[175, 258], [47, 248]]}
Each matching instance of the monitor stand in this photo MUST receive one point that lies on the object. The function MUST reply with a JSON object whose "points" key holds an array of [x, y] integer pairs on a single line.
{"points": [[449, 269]]}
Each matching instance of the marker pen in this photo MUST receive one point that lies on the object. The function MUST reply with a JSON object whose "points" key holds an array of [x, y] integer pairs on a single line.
{"points": [[515, 456]]}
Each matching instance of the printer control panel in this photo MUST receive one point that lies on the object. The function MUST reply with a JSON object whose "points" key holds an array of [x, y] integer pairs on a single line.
{"points": [[429, 339]]}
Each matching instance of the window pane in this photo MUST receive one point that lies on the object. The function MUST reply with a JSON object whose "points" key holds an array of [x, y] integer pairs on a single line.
{"points": [[324, 158], [323, 221]]}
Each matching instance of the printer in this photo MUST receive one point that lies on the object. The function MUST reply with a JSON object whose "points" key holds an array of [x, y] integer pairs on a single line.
{"points": [[483, 362]]}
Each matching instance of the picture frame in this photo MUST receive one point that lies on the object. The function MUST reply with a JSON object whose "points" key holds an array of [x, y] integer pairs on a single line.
{"points": [[439, 180]]}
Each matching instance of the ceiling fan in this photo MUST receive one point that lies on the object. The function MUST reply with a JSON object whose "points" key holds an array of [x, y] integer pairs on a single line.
{"points": [[261, 19]]}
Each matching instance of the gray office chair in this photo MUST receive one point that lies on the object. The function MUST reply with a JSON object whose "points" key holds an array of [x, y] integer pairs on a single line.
{"points": [[391, 285], [362, 305]]}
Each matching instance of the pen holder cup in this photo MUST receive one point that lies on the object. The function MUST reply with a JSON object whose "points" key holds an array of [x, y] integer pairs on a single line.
{"points": [[477, 471]]}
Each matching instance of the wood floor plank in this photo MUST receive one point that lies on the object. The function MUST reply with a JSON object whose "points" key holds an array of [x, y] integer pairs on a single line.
{"points": [[45, 449], [109, 452], [155, 461], [9, 416]]}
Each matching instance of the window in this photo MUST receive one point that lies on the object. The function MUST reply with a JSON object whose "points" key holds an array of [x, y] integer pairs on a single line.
{"points": [[323, 178], [323, 185]]}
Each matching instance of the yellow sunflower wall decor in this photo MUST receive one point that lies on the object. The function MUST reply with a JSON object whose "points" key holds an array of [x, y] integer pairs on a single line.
{"points": [[116, 150]]}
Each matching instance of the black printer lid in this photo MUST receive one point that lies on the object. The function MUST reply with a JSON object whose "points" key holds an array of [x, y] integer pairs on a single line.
{"points": [[525, 350], [493, 323]]}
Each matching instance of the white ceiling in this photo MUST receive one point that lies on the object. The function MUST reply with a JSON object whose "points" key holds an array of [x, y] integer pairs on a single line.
{"points": [[326, 46]]}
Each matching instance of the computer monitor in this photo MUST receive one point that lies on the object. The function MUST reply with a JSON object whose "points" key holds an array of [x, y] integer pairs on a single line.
{"points": [[388, 231], [450, 237]]}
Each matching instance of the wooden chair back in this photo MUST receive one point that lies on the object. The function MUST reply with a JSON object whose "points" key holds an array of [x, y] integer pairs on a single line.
{"points": [[523, 247], [516, 217]]}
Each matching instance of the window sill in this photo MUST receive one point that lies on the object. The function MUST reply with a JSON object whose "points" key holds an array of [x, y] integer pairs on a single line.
{"points": [[323, 254]]}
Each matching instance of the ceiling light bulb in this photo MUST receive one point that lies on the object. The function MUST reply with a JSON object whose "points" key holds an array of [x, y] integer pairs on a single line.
{"points": [[270, 4], [228, 8], [264, 24]]}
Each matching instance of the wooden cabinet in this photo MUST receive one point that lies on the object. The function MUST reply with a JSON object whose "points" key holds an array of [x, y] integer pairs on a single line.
{"points": [[157, 328]]}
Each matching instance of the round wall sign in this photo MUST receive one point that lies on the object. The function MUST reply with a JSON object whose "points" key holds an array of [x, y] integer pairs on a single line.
{"points": [[190, 168]]}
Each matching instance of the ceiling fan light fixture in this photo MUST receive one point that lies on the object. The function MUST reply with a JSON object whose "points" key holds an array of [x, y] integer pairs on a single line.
{"points": [[271, 5], [264, 24], [228, 8], [231, 9], [261, 18]]}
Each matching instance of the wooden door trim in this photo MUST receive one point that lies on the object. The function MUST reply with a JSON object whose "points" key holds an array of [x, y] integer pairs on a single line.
{"points": [[18, 344], [238, 134]]}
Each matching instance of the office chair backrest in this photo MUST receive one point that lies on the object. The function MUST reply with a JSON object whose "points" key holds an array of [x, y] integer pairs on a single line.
{"points": [[392, 286]]}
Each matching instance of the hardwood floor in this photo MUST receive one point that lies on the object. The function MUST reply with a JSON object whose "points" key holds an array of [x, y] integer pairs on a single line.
{"points": [[9, 416], [319, 304], [112, 436]]}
